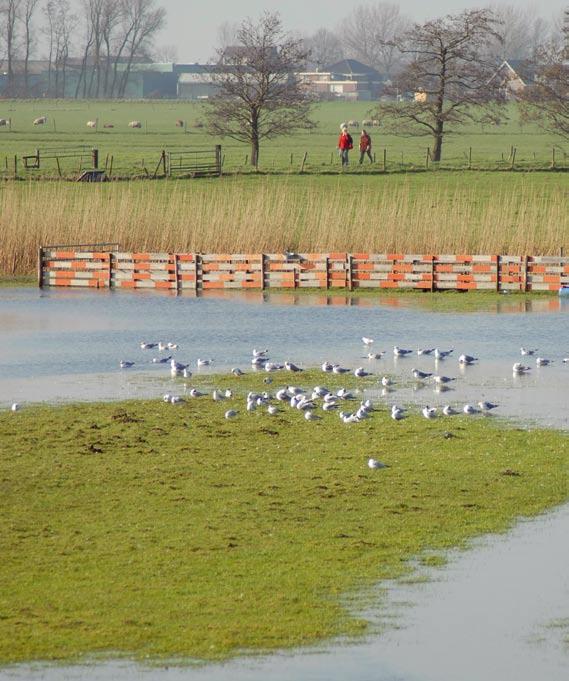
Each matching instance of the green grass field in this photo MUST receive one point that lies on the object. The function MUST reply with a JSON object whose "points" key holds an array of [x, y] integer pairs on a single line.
{"points": [[134, 150], [144, 529]]}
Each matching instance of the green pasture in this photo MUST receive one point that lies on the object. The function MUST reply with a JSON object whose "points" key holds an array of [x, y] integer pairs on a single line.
{"points": [[137, 151], [150, 530]]}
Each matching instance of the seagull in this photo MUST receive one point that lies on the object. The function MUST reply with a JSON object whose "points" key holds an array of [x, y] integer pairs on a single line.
{"points": [[204, 362], [172, 346], [282, 395], [217, 396], [176, 369], [542, 362], [327, 367], [375, 355], [565, 360], [294, 390], [15, 407], [228, 394], [161, 360], [311, 416], [420, 375], [251, 405], [268, 380], [126, 365], [449, 411], [429, 412], [289, 366], [272, 410], [162, 346], [344, 394], [397, 414], [328, 406], [337, 369], [368, 404], [425, 351], [367, 341], [194, 392], [148, 346], [400, 352], [176, 399], [167, 397], [386, 381], [487, 406], [360, 372], [321, 391], [230, 414], [469, 409], [303, 404], [273, 366], [442, 380], [443, 354], [260, 353], [375, 464], [237, 372], [467, 359], [527, 351], [519, 368], [186, 373], [259, 361]]}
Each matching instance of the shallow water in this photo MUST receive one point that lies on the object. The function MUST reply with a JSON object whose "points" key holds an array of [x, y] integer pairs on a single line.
{"points": [[66, 345], [488, 615]]}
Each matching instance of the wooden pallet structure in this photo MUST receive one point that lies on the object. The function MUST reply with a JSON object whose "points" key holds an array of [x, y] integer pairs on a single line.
{"points": [[103, 266]]}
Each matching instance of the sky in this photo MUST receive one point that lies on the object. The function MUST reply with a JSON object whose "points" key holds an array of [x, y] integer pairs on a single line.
{"points": [[192, 25]]}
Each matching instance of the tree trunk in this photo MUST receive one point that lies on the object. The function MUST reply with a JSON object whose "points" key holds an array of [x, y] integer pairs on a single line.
{"points": [[438, 142], [254, 141]]}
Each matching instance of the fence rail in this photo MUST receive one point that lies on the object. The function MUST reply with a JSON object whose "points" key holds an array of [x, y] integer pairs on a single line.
{"points": [[101, 268]]}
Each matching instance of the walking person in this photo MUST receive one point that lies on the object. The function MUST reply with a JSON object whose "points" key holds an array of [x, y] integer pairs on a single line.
{"points": [[365, 147], [345, 143]]}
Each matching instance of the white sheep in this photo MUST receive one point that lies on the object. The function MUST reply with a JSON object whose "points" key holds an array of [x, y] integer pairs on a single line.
{"points": [[41, 120], [354, 124], [135, 124], [4, 122], [91, 124]]}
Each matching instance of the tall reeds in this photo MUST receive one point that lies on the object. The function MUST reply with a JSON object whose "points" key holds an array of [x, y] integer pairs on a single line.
{"points": [[273, 215]]}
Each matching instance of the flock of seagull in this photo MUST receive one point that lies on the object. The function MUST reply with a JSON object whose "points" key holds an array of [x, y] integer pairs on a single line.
{"points": [[310, 401]]}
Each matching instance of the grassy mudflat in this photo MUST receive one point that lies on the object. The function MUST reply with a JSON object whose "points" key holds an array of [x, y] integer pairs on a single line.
{"points": [[147, 529]]}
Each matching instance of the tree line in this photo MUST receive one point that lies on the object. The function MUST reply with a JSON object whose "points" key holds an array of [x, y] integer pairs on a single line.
{"points": [[102, 40]]}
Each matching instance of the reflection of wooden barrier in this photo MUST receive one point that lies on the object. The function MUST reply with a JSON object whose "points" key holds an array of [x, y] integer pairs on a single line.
{"points": [[72, 266]]}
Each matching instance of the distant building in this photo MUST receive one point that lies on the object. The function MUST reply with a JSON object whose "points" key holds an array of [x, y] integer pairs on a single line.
{"points": [[195, 81], [511, 84], [348, 79]]}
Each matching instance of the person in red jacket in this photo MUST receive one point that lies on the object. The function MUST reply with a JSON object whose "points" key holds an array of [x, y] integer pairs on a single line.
{"points": [[365, 147], [345, 143]]}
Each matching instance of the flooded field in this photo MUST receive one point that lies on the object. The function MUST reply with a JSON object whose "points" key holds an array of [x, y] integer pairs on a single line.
{"points": [[500, 610]]}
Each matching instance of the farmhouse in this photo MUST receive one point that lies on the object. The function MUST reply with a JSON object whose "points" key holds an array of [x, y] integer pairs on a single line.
{"points": [[511, 83], [348, 79]]}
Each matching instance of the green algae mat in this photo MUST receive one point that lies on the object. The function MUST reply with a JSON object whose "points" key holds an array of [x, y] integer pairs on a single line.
{"points": [[152, 530]]}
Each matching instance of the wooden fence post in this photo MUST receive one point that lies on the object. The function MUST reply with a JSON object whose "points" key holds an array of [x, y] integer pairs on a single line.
{"points": [[197, 259], [498, 273], [303, 161], [176, 272], [15, 166], [327, 264], [110, 271], [553, 158], [385, 160], [263, 270], [40, 267], [218, 159], [95, 157], [432, 273], [469, 158], [349, 271], [525, 274], [427, 157], [514, 150]]}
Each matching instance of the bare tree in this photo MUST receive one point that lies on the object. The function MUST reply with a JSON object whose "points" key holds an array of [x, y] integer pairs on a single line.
{"points": [[324, 47], [227, 34], [10, 11], [546, 100], [259, 96], [142, 20], [369, 33], [450, 80], [165, 54], [522, 31], [28, 12]]}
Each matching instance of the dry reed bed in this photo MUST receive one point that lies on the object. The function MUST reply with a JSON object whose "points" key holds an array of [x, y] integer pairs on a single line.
{"points": [[271, 216]]}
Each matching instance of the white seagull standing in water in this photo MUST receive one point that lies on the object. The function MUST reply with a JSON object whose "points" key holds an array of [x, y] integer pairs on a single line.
{"points": [[542, 362], [527, 351], [367, 341], [124, 364], [204, 362], [443, 354], [467, 359], [420, 375], [425, 351], [519, 368], [469, 409], [487, 406], [401, 352]]}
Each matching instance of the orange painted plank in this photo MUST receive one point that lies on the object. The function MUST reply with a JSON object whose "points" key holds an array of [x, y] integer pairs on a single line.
{"points": [[395, 256], [337, 255], [186, 257]]}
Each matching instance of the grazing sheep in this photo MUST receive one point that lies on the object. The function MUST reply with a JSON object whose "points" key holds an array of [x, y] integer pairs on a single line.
{"points": [[41, 120], [91, 124], [108, 125], [375, 123], [4, 122], [367, 123], [354, 124], [135, 124], [179, 123]]}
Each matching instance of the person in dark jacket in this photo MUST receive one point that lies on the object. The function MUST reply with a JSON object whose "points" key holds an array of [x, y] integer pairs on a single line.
{"points": [[345, 143], [365, 147]]}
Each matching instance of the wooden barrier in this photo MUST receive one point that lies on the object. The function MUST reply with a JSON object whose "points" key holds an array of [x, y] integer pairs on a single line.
{"points": [[100, 268]]}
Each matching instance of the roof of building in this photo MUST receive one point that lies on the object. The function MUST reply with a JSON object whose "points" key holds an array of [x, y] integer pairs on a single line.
{"points": [[352, 67]]}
